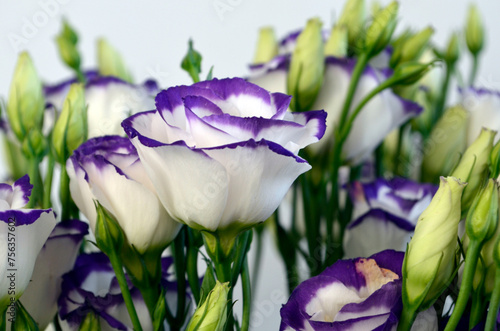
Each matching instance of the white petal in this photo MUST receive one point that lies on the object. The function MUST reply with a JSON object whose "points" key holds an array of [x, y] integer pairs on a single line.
{"points": [[81, 193], [192, 186]]}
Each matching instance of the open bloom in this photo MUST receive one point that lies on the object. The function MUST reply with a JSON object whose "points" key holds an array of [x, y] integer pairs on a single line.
{"points": [[385, 214], [110, 100], [91, 287], [23, 233], [223, 153], [56, 258], [108, 169], [359, 294], [385, 112], [483, 108]]}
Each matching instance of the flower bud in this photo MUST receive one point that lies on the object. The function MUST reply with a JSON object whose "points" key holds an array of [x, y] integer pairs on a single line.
{"points": [[430, 256], [410, 72], [453, 49], [307, 65], [412, 48], [70, 130], [90, 323], [445, 144], [474, 31], [108, 233], [379, 34], [267, 46], [23, 321], [211, 315], [110, 62], [495, 161], [482, 218], [66, 42], [474, 164], [26, 104], [353, 18], [337, 43], [35, 144]]}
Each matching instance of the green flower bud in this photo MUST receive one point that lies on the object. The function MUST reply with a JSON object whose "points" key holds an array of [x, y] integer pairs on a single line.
{"points": [[35, 144], [66, 42], [410, 72], [109, 235], [413, 47], [445, 144], [90, 323], [482, 218], [26, 104], [110, 62], [307, 65], [70, 130], [430, 257], [23, 320], [337, 43], [474, 164], [212, 314], [379, 34], [353, 17], [495, 161], [267, 46], [474, 31], [453, 49]]}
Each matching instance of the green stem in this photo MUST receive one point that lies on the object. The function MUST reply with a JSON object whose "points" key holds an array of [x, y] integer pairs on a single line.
{"points": [[473, 73], [36, 180], [465, 289], [353, 84], [64, 194], [81, 77], [48, 182], [180, 272], [313, 226], [257, 259], [397, 154], [247, 296], [440, 104], [406, 319], [491, 319], [192, 265], [120, 277], [478, 307], [241, 253]]}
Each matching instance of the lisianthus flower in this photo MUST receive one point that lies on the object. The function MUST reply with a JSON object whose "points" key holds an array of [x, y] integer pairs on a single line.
{"points": [[56, 258], [23, 233], [385, 214], [359, 294], [223, 153], [91, 287], [108, 169], [385, 112], [110, 100], [483, 108]]}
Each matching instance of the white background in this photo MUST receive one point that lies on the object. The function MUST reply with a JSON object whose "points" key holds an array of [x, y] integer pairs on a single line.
{"points": [[152, 37]]}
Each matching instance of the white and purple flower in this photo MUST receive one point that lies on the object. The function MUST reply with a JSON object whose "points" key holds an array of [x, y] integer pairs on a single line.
{"points": [[483, 108], [108, 169], [56, 258], [359, 294], [385, 213], [385, 112], [23, 233], [223, 153], [110, 100]]}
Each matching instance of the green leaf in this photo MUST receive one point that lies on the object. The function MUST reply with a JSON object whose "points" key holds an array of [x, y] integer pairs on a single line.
{"points": [[208, 282], [192, 63]]}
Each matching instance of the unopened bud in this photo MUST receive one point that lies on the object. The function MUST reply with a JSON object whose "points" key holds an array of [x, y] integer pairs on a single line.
{"points": [[267, 46]]}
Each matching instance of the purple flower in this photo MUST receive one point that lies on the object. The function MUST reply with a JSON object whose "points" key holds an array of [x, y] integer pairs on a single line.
{"points": [[108, 169], [385, 112], [56, 258], [92, 287], [359, 294], [110, 100], [385, 214], [23, 233], [223, 153]]}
